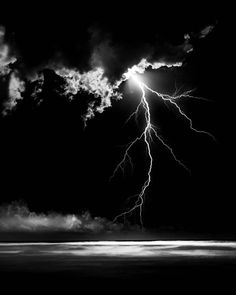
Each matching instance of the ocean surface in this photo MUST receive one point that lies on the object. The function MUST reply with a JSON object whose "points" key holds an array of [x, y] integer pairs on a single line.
{"points": [[97, 264]]}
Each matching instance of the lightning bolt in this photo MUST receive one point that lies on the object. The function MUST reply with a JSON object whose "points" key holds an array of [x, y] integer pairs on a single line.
{"points": [[148, 135]]}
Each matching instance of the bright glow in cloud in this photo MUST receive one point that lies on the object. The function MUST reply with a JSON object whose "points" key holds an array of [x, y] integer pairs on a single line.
{"points": [[97, 84], [141, 67]]}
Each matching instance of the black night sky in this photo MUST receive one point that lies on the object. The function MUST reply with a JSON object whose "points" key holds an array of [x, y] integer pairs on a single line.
{"points": [[52, 163]]}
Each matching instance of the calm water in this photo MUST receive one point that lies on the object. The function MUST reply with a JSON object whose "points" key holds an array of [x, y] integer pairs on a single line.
{"points": [[149, 262]]}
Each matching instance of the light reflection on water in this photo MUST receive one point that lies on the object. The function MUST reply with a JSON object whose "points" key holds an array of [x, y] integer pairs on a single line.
{"points": [[126, 249]]}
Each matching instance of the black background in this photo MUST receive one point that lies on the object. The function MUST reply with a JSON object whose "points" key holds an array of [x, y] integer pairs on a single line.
{"points": [[52, 163]]}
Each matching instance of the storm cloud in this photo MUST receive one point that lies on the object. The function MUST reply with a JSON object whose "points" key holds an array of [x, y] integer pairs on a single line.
{"points": [[93, 62]]}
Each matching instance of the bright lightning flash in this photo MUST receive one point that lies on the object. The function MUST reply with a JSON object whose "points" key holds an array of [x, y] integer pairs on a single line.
{"points": [[147, 136]]}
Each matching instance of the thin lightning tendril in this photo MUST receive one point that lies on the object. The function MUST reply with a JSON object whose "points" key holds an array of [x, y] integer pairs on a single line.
{"points": [[172, 99], [147, 136]]}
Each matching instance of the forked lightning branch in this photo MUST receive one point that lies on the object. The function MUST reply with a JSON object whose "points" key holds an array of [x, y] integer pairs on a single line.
{"points": [[148, 134]]}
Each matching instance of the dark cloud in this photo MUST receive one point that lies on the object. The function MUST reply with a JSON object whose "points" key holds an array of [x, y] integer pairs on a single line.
{"points": [[116, 56], [90, 58], [84, 48]]}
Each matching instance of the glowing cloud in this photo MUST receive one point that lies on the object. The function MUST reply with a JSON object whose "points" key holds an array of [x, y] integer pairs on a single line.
{"points": [[141, 67], [93, 82]]}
